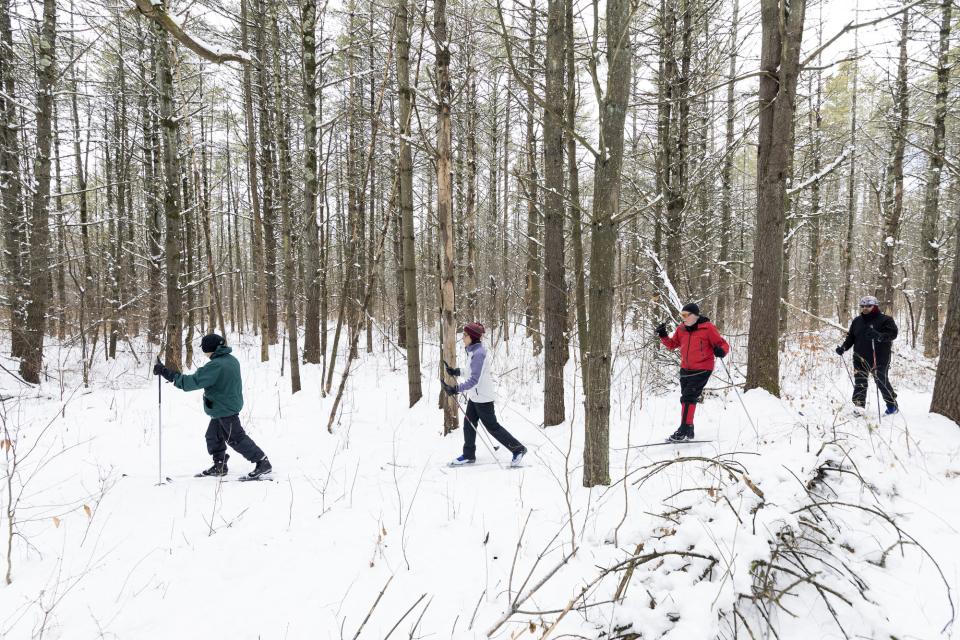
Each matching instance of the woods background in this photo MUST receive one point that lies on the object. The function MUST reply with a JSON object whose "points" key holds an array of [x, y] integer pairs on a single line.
{"points": [[369, 176]]}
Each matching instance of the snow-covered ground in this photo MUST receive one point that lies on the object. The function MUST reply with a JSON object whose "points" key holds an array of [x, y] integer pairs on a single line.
{"points": [[366, 533]]}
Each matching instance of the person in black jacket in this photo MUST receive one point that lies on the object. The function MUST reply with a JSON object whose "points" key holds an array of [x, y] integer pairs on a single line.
{"points": [[871, 335]]}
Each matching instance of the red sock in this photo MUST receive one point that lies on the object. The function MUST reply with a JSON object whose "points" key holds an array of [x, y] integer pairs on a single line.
{"points": [[686, 414]]}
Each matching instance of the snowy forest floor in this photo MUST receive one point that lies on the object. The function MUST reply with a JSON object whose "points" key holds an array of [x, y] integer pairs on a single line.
{"points": [[827, 525]]}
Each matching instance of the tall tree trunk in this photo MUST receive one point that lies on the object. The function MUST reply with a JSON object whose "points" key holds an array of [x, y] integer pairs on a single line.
{"points": [[929, 246], [780, 60], [606, 204], [532, 292], [257, 231], [283, 157], [816, 121], [10, 188], [844, 312], [267, 164], [726, 175], [38, 265], [445, 208], [311, 337], [405, 185], [893, 191], [555, 300], [946, 386], [573, 185]]}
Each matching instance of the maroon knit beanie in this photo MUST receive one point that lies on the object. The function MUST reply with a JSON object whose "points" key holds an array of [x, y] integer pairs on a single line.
{"points": [[474, 330]]}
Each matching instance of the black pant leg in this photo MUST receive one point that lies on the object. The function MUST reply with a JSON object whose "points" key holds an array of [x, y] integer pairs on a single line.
{"points": [[470, 431], [882, 377], [489, 419], [692, 383], [861, 373], [216, 443], [237, 438]]}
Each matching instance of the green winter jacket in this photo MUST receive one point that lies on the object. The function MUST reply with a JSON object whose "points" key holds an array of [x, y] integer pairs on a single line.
{"points": [[220, 381]]}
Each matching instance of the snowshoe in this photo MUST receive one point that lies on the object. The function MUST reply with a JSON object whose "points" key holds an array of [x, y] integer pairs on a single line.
{"points": [[683, 433], [891, 409], [218, 469], [518, 457], [263, 468], [461, 461]]}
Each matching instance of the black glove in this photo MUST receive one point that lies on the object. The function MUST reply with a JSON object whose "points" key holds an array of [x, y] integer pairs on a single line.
{"points": [[448, 388], [662, 330], [719, 352], [160, 370], [455, 372], [874, 335], [839, 351]]}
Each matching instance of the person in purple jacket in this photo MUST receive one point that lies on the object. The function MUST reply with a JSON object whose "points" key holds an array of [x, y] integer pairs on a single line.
{"points": [[480, 396]]}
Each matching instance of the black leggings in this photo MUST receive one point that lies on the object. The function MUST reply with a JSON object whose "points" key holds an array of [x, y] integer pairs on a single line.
{"points": [[483, 411]]}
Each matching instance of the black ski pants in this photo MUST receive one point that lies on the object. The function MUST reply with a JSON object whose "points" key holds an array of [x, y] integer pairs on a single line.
{"points": [[224, 431], [881, 376], [483, 411], [692, 382]]}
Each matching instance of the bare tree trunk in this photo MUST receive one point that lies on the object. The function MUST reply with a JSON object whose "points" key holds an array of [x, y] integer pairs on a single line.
{"points": [[816, 121], [929, 246], [847, 253], [946, 387], [606, 204], [780, 59], [726, 174], [169, 124], [311, 337], [35, 319], [555, 299], [893, 191], [283, 158], [10, 188], [405, 185], [257, 231], [267, 163], [530, 188], [573, 186], [445, 207]]}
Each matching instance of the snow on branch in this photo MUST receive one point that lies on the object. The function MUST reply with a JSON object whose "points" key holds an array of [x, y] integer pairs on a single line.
{"points": [[158, 13], [823, 174]]}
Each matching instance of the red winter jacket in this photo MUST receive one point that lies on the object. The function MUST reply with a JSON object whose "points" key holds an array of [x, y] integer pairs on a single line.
{"points": [[696, 344]]}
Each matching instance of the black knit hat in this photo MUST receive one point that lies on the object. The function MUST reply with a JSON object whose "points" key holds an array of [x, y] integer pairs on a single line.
{"points": [[210, 342], [692, 307]]}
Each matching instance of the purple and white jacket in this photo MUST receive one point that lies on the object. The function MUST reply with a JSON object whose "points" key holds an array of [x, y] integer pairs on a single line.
{"points": [[479, 386]]}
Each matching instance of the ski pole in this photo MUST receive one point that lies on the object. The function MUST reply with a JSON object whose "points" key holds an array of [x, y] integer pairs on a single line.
{"points": [[847, 369], [159, 428], [876, 377], [483, 436], [742, 403]]}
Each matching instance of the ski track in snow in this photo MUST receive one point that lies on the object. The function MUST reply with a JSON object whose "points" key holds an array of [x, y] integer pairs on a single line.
{"points": [[104, 552]]}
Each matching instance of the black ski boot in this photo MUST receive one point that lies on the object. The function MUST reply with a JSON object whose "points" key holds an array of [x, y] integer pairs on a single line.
{"points": [[685, 432], [219, 468], [263, 468]]}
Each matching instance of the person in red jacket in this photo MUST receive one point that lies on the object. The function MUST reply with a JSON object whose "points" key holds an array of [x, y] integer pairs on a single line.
{"points": [[699, 343]]}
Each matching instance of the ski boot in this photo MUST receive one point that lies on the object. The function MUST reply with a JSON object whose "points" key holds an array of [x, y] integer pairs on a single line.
{"points": [[218, 469], [263, 468], [685, 432]]}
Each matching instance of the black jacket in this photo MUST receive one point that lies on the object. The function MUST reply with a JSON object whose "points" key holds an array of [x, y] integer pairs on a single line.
{"points": [[862, 345]]}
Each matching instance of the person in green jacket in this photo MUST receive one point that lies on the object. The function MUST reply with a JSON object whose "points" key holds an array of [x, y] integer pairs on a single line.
{"points": [[222, 401]]}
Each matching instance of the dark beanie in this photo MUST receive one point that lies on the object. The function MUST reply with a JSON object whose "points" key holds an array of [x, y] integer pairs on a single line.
{"points": [[475, 330], [210, 342], [692, 307]]}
